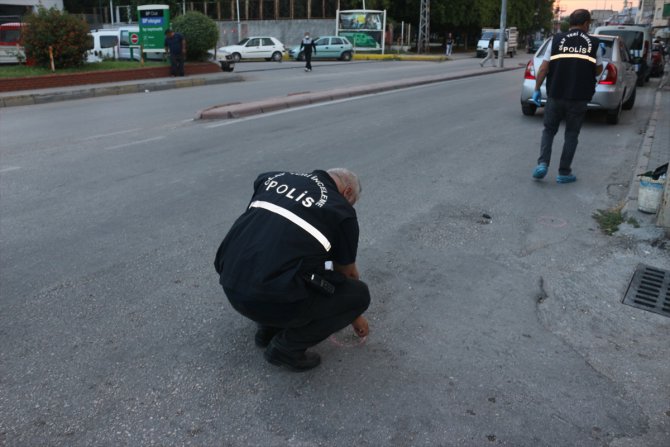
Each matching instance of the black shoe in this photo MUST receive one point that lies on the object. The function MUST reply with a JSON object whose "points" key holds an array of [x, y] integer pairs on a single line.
{"points": [[264, 335], [295, 361]]}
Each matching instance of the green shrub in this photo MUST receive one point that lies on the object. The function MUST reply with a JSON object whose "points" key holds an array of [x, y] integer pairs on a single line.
{"points": [[66, 34], [200, 32]]}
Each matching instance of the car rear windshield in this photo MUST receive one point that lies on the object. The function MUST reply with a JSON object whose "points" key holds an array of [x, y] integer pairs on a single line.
{"points": [[543, 48], [634, 40], [607, 45]]}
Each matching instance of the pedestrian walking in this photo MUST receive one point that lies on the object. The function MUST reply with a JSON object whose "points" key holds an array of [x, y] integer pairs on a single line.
{"points": [[570, 64], [490, 55], [289, 263], [449, 44], [307, 45], [175, 46]]}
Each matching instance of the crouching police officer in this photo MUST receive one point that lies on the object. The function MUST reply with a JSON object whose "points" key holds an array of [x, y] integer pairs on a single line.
{"points": [[570, 64], [289, 263]]}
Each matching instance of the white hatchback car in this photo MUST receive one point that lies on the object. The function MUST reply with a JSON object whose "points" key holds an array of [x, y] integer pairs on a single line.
{"points": [[267, 48]]}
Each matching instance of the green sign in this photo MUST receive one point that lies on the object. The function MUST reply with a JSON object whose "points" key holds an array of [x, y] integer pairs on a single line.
{"points": [[154, 20]]}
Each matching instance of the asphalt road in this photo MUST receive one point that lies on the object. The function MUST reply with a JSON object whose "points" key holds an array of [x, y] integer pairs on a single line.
{"points": [[505, 330]]}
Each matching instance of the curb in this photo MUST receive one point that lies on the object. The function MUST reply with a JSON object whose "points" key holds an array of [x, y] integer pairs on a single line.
{"points": [[108, 90], [642, 165], [238, 110]]}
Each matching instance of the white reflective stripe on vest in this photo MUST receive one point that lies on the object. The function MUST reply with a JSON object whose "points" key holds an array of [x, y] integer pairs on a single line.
{"points": [[299, 221], [573, 56]]}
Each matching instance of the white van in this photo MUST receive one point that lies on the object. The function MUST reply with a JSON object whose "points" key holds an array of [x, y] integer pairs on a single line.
{"points": [[511, 38], [104, 45], [129, 42], [638, 41]]}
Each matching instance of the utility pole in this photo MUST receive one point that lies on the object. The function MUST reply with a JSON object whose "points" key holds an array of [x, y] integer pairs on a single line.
{"points": [[423, 40], [503, 25]]}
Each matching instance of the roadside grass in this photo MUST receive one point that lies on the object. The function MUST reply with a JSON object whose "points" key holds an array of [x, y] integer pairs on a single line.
{"points": [[21, 71], [609, 220]]}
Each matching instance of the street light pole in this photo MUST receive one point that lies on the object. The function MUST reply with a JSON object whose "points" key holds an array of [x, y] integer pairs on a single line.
{"points": [[239, 25], [503, 25]]}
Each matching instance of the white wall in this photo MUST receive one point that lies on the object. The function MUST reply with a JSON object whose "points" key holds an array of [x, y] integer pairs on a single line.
{"points": [[46, 3], [289, 32]]}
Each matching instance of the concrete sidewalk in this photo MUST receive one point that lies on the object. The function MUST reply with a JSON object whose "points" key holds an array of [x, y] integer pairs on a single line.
{"points": [[655, 151]]}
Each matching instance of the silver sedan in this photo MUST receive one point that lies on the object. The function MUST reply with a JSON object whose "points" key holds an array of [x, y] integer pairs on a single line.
{"points": [[615, 89]]}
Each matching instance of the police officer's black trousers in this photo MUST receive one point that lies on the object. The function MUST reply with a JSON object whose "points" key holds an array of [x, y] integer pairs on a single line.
{"points": [[557, 110], [308, 60], [309, 322], [177, 64]]}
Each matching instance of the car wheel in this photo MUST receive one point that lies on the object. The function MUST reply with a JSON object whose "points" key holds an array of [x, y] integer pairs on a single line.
{"points": [[301, 57], [346, 56], [528, 109], [276, 56], [630, 101], [614, 115], [236, 57]]}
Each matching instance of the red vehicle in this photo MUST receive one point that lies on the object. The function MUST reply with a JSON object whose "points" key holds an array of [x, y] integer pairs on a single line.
{"points": [[11, 50]]}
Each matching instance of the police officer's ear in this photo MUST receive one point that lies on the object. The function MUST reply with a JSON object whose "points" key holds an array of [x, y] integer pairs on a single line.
{"points": [[349, 194]]}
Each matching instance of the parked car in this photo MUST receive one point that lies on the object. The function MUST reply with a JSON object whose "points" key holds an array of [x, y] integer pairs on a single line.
{"points": [[226, 60], [638, 41], [327, 47], [615, 89], [267, 48], [104, 44], [657, 59]]}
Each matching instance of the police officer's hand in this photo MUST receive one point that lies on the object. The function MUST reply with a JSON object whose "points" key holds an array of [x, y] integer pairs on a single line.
{"points": [[360, 326], [349, 270], [537, 97]]}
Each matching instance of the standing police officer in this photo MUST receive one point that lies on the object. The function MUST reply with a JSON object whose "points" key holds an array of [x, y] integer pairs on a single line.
{"points": [[571, 65], [307, 44], [289, 263]]}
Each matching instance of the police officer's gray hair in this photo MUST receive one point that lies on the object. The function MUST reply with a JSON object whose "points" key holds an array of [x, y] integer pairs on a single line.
{"points": [[347, 178]]}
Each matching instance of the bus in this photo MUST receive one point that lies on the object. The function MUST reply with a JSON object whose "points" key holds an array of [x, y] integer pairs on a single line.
{"points": [[11, 50]]}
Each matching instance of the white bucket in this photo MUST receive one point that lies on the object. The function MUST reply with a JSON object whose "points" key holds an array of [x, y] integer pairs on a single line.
{"points": [[649, 195]]}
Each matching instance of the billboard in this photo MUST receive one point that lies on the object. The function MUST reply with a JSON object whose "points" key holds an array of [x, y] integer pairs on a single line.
{"points": [[153, 21], [363, 28]]}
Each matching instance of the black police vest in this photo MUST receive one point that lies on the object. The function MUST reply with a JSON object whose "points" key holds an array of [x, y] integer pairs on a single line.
{"points": [[293, 224], [572, 67]]}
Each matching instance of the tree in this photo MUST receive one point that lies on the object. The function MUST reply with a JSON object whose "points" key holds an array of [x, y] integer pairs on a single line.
{"points": [[67, 36], [200, 32]]}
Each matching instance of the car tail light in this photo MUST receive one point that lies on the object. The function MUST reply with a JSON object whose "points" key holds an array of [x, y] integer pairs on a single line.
{"points": [[530, 70], [609, 75]]}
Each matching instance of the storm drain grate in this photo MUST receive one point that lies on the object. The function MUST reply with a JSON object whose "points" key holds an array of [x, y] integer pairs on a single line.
{"points": [[649, 290]]}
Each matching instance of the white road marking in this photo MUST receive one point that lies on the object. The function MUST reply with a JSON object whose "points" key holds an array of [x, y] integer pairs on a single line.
{"points": [[134, 143], [103, 135], [9, 168]]}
